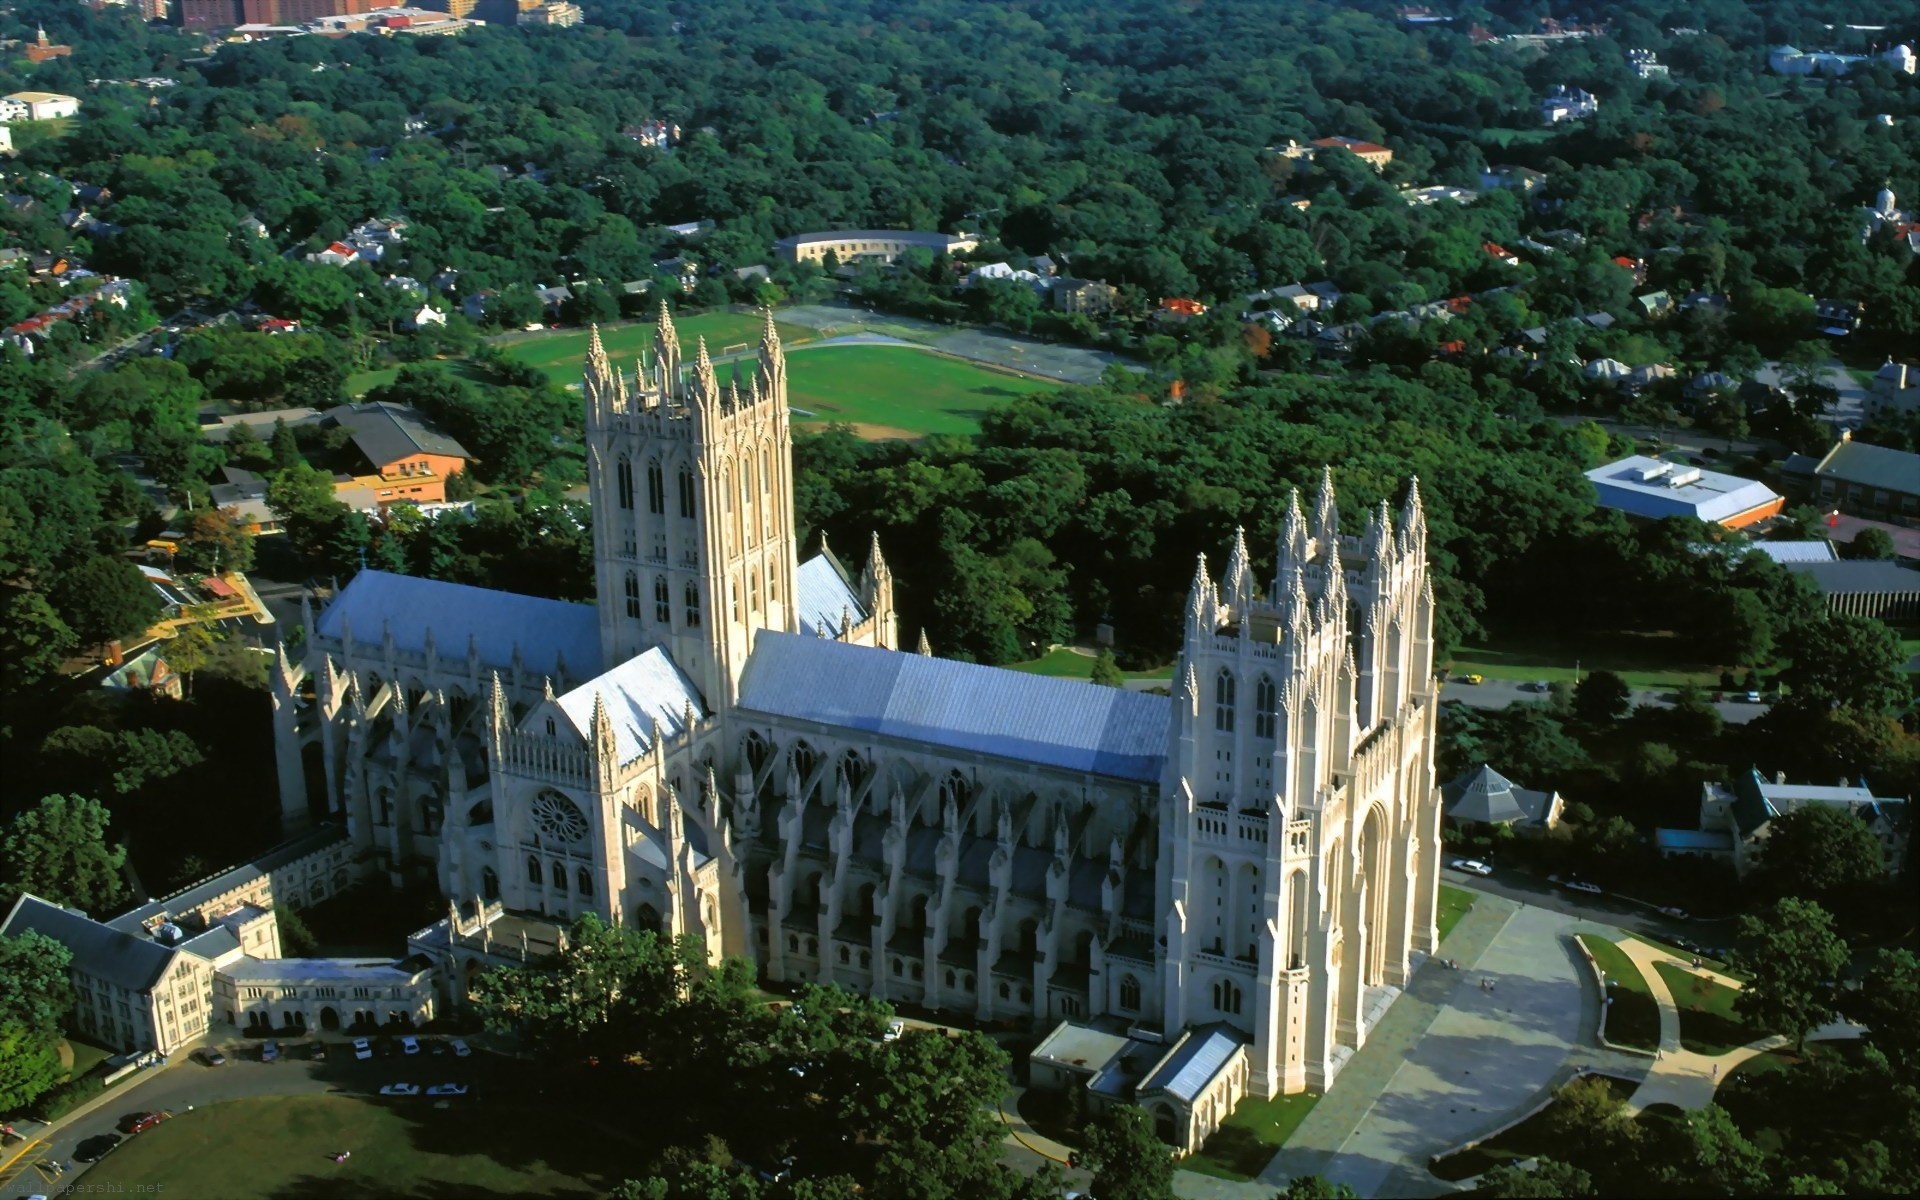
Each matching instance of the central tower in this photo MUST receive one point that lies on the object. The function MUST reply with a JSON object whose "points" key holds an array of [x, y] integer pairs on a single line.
{"points": [[692, 491]]}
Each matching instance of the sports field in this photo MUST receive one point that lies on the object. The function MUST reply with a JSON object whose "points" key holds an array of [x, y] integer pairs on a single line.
{"points": [[898, 391], [560, 353], [283, 1147]]}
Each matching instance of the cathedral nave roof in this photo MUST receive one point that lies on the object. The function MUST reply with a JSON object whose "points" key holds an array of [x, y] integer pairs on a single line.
{"points": [[544, 630]]}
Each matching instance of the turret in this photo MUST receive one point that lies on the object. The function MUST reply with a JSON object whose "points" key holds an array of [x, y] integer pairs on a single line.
{"points": [[1292, 550], [773, 360], [666, 346]]}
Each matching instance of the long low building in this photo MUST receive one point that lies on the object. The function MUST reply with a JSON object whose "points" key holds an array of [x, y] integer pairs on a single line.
{"points": [[1865, 589], [869, 245], [1652, 489]]}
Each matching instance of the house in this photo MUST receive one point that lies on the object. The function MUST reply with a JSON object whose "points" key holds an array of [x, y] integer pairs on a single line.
{"points": [[1426, 197], [1607, 370], [1735, 819], [1649, 489], [1863, 588], [682, 269], [409, 457], [1837, 318], [1710, 301], [1654, 304], [406, 283], [336, 254], [1789, 60], [1177, 308], [1513, 178], [1483, 796], [1842, 529], [1326, 292], [474, 306], [147, 672], [1642, 378], [1371, 153], [1709, 382], [253, 227], [1565, 103], [553, 297], [1895, 390], [6, 140], [1188, 1086], [1636, 267], [1294, 294], [869, 245], [1646, 64], [1006, 272], [275, 325], [1869, 480], [37, 106], [756, 271], [1094, 297], [1499, 253], [426, 316]]}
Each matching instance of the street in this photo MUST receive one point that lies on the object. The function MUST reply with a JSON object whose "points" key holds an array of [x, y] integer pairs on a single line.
{"points": [[1498, 693], [1640, 916]]}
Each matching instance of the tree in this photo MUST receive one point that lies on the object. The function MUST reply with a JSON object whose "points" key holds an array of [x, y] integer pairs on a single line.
{"points": [[29, 1065], [106, 598], [1792, 955], [36, 988], [295, 938], [215, 542], [1820, 852], [1871, 543], [1888, 1004], [1106, 672], [284, 448], [1602, 697], [1313, 1187], [1714, 1158], [1847, 662], [1128, 1160], [58, 851], [1549, 1178], [302, 498], [34, 641]]}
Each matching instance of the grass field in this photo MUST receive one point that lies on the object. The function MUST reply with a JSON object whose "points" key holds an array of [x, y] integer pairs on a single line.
{"points": [[86, 1056], [1454, 903], [1633, 1019], [1248, 1140], [1707, 1021], [898, 391], [1644, 661], [1677, 952], [1064, 662], [1529, 1139], [560, 352], [282, 1147]]}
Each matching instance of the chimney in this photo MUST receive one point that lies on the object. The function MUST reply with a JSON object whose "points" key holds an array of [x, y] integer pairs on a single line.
{"points": [[1780, 777], [1846, 435]]}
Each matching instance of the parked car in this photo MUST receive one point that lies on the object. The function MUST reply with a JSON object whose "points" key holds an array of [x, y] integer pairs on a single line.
{"points": [[410, 1044], [1752, 697], [447, 1089], [362, 1048], [1538, 685], [211, 1057], [400, 1089], [894, 1029], [460, 1048], [1471, 866], [140, 1122], [95, 1148], [1476, 677], [269, 1051], [1581, 885], [1675, 911]]}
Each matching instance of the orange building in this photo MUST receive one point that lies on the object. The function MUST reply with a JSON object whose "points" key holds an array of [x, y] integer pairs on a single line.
{"points": [[410, 459]]}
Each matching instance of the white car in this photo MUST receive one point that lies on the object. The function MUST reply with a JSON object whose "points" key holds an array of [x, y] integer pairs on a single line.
{"points": [[894, 1030], [447, 1089], [362, 1048], [1471, 866], [400, 1089], [410, 1044], [460, 1048], [1581, 885]]}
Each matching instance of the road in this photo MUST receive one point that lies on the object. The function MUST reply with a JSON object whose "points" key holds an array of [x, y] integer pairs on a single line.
{"points": [[1499, 693], [1637, 915]]}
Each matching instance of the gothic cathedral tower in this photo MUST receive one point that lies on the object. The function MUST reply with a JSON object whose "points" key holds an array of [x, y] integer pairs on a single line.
{"points": [[692, 490]]}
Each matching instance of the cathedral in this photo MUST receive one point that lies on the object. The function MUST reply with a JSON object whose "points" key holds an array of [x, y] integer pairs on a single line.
{"points": [[1228, 885]]}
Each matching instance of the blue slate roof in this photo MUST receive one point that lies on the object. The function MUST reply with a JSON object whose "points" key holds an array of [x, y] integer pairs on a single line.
{"points": [[129, 961], [825, 595], [963, 706], [1195, 1062], [496, 621], [646, 688]]}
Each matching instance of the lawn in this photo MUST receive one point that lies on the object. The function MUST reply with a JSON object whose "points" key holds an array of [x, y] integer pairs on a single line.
{"points": [[1529, 1139], [899, 391], [283, 1147], [1644, 661], [560, 352], [1454, 903], [86, 1056], [1243, 1146], [1714, 963], [1707, 1021], [1064, 662], [1633, 1019]]}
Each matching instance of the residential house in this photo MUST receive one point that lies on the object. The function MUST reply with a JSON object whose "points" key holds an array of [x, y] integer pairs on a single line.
{"points": [[1646, 64], [1094, 297], [426, 316], [1328, 294], [1649, 489], [336, 254], [1837, 318], [409, 457], [1511, 177], [681, 268], [1178, 308], [1869, 480], [1565, 103], [1483, 796], [1371, 153], [1500, 254], [1709, 382], [1654, 304], [1636, 267], [1607, 370], [1642, 378], [1009, 273], [1789, 60], [1895, 390], [1426, 197], [660, 135], [553, 297], [1736, 819], [37, 106], [1713, 301], [277, 325], [1886, 214]]}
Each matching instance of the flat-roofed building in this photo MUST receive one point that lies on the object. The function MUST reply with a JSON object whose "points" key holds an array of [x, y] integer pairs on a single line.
{"points": [[1865, 589], [1652, 489], [869, 245]]}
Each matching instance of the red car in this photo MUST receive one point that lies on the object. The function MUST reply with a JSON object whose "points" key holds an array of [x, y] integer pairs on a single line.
{"points": [[141, 1122]]}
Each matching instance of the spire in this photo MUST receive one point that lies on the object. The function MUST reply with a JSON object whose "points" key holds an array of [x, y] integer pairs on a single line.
{"points": [[769, 337], [1237, 583], [1413, 517], [599, 368], [605, 747], [926, 651], [703, 376], [876, 561], [1326, 513], [1380, 533]]}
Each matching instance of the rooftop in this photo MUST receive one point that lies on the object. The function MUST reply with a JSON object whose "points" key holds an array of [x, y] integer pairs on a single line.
{"points": [[1871, 466], [1061, 723], [1186, 1072], [372, 972], [1858, 577], [919, 237], [99, 950], [825, 595], [387, 432], [1649, 487], [646, 690], [496, 624]]}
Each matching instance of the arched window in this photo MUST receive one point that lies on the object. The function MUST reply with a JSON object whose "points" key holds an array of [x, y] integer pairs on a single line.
{"points": [[950, 978], [1266, 706], [846, 956], [773, 587], [1226, 997], [633, 595], [733, 597], [693, 605], [1223, 701], [804, 758], [623, 480], [686, 491], [656, 489], [746, 500], [558, 874], [533, 870], [1129, 993], [766, 472], [584, 880], [729, 516], [793, 942], [489, 884], [753, 591], [1006, 990], [662, 601]]}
